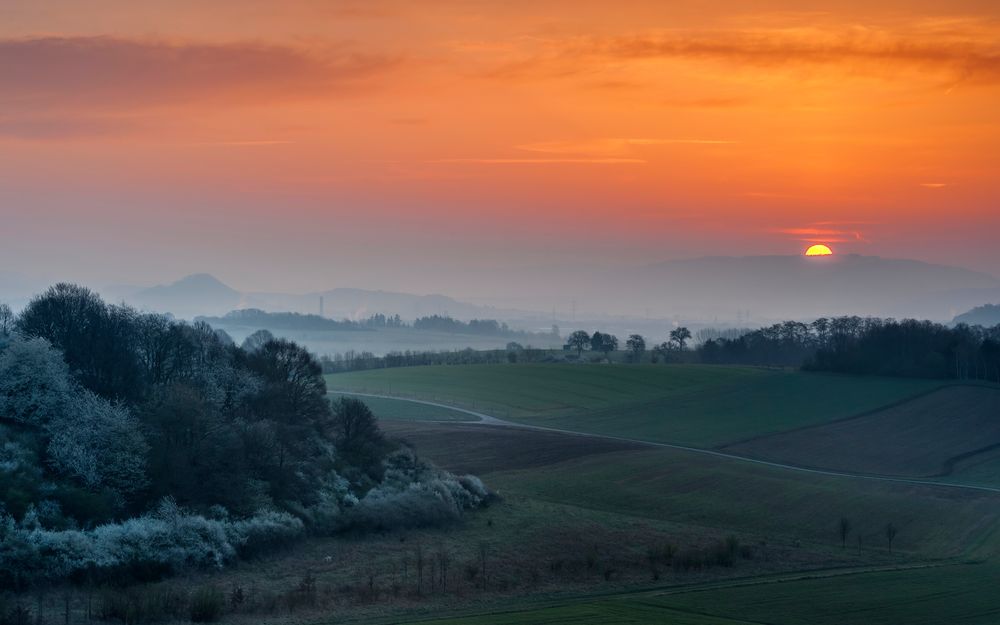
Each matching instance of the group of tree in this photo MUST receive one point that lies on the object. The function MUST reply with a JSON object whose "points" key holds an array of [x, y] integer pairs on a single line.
{"points": [[106, 412], [635, 345], [597, 342], [844, 528], [276, 321], [867, 345], [378, 320], [481, 327], [363, 361]]}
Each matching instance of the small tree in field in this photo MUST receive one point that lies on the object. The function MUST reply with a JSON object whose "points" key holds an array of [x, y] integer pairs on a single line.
{"points": [[844, 527], [579, 340], [637, 345], [679, 337], [604, 343], [890, 534]]}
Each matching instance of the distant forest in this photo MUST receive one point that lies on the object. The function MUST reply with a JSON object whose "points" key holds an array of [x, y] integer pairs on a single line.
{"points": [[865, 345], [288, 321], [855, 345], [133, 446]]}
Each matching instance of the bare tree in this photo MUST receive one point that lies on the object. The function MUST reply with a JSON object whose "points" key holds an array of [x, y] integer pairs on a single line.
{"points": [[483, 552], [680, 337], [6, 320], [443, 559], [579, 340], [637, 345], [419, 562], [844, 527], [890, 534]]}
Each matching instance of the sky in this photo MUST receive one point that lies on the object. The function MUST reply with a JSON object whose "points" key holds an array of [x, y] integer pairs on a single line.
{"points": [[462, 146]]}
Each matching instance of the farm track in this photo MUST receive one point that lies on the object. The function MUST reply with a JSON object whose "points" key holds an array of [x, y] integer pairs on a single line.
{"points": [[489, 420]]}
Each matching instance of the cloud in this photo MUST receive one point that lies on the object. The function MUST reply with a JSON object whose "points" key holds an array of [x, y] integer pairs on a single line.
{"points": [[934, 185], [612, 146], [540, 161], [83, 77], [817, 234], [243, 143], [972, 55]]}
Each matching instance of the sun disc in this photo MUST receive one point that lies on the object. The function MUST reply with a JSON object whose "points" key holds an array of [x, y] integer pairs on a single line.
{"points": [[819, 250]]}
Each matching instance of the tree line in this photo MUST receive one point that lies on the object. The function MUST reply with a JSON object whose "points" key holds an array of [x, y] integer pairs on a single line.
{"points": [[122, 433], [868, 346]]}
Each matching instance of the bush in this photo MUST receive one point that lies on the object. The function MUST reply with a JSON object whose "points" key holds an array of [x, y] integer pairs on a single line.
{"points": [[144, 548]]}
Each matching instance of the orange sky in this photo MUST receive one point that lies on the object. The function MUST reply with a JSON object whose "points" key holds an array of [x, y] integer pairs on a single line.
{"points": [[388, 141]]}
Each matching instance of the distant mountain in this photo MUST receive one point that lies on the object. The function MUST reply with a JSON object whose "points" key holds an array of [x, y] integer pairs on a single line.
{"points": [[197, 294], [749, 290], [987, 316], [204, 295], [781, 287]]}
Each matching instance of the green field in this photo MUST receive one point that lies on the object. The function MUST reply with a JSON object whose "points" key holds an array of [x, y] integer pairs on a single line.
{"points": [[567, 498], [761, 502], [696, 405], [952, 595], [395, 409], [934, 435]]}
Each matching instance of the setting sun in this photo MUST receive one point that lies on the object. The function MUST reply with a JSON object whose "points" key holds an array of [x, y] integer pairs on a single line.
{"points": [[819, 250]]}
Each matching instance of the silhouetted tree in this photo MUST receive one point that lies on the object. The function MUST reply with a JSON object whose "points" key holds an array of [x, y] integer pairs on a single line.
{"points": [[844, 527], [890, 534], [604, 343], [6, 320], [579, 341], [637, 345], [680, 336], [256, 340], [359, 439]]}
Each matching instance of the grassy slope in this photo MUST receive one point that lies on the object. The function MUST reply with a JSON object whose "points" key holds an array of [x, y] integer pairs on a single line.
{"points": [[957, 595], [687, 404], [761, 502], [395, 409], [922, 437]]}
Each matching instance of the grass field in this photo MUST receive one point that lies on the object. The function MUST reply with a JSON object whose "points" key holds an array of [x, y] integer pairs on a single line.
{"points": [[715, 495], [483, 450], [928, 436], [687, 404], [760, 502], [394, 409], [955, 595]]}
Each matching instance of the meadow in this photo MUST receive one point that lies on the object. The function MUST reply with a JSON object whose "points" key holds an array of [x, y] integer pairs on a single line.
{"points": [[409, 411], [929, 436], [954, 594], [697, 405]]}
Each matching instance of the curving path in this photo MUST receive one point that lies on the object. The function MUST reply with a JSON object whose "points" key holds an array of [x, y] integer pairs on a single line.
{"points": [[485, 419]]}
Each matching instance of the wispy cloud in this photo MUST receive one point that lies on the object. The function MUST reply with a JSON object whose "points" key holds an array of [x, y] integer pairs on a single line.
{"points": [[612, 146], [248, 143], [971, 55], [104, 77], [818, 233], [934, 185], [540, 161]]}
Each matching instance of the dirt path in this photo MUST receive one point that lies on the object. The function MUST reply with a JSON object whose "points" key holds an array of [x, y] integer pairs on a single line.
{"points": [[485, 419]]}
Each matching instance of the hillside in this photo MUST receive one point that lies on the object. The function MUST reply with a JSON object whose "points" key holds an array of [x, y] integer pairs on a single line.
{"points": [[987, 315], [923, 437], [699, 405]]}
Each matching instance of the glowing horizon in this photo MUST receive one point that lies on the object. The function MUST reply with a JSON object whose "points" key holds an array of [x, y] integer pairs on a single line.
{"points": [[398, 144]]}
